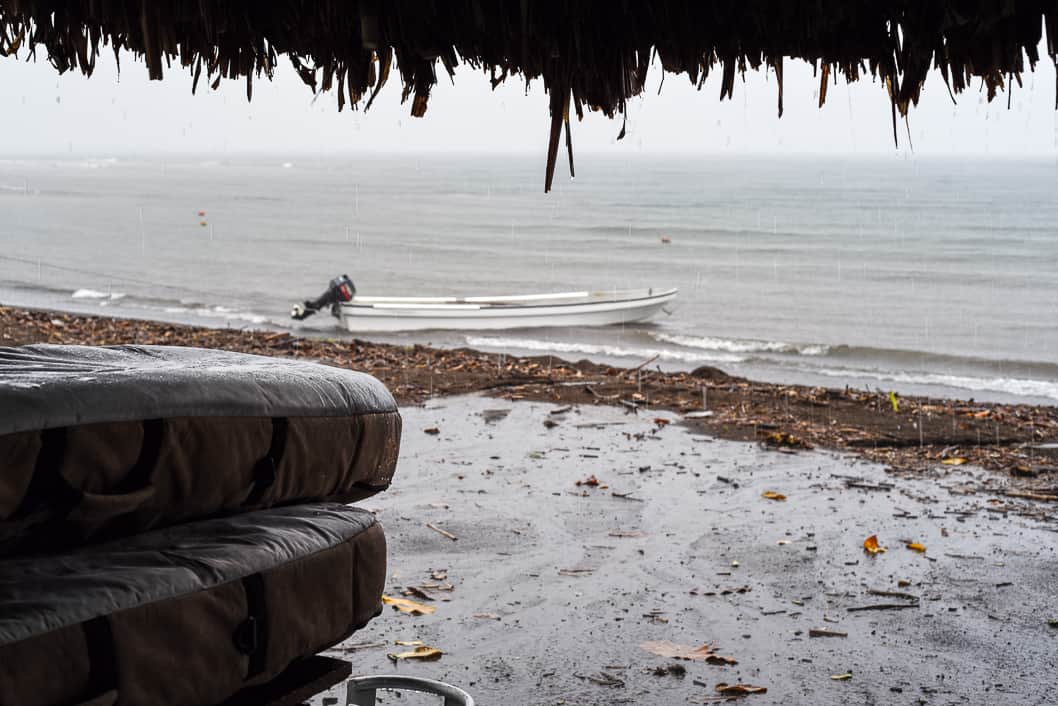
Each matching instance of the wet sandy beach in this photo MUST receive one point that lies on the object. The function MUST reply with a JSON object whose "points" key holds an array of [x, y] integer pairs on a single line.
{"points": [[550, 588]]}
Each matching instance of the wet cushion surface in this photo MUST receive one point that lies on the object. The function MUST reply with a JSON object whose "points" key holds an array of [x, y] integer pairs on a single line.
{"points": [[188, 614], [46, 386]]}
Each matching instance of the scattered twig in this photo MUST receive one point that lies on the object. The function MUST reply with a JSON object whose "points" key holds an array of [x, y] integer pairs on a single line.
{"points": [[443, 533], [644, 364], [893, 594]]}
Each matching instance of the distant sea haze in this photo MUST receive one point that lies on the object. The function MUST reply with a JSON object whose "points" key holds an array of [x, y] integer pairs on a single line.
{"points": [[930, 276]]}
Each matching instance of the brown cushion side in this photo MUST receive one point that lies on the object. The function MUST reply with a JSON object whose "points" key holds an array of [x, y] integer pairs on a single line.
{"points": [[181, 651], [44, 670]]}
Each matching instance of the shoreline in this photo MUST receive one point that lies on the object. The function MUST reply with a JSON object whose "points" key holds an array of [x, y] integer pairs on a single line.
{"points": [[1019, 441]]}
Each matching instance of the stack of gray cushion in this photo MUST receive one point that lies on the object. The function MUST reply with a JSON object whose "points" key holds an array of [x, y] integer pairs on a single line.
{"points": [[173, 521]]}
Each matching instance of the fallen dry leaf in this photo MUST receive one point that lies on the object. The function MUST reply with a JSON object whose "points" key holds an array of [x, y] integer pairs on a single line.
{"points": [[871, 546], [954, 461], [422, 652], [739, 689], [702, 653], [772, 495], [916, 547], [405, 605]]}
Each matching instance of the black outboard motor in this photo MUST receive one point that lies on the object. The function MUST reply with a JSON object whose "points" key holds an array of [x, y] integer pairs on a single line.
{"points": [[341, 290]]}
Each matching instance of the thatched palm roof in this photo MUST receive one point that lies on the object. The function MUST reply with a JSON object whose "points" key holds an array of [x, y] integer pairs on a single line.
{"points": [[589, 53]]}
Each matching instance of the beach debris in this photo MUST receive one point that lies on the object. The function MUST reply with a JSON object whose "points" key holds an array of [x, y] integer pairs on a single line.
{"points": [[432, 431], [772, 495], [422, 653], [670, 670], [627, 533], [494, 415], [700, 414], [671, 650], [357, 646], [917, 547], [1042, 497], [443, 533], [439, 574], [405, 605], [656, 616], [954, 460], [601, 678], [550, 424], [894, 401], [841, 677], [892, 594], [575, 571], [817, 632], [720, 591], [785, 440], [417, 592], [591, 481], [883, 606], [1053, 622], [666, 240], [561, 410], [739, 689], [485, 616], [871, 546], [408, 643]]}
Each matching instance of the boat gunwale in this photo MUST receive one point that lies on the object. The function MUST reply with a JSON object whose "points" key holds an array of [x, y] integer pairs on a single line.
{"points": [[407, 303]]}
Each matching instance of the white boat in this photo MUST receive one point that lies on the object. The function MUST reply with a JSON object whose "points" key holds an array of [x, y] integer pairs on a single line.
{"points": [[379, 314]]}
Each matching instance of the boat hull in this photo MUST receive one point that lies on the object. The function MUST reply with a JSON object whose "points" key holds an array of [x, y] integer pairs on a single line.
{"points": [[474, 317]]}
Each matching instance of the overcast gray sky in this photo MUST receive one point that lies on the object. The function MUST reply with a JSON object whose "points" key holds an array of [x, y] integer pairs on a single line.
{"points": [[107, 114]]}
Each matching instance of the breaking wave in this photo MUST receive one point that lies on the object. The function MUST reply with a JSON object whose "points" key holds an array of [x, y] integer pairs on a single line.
{"points": [[1013, 386], [710, 343], [532, 344], [93, 294]]}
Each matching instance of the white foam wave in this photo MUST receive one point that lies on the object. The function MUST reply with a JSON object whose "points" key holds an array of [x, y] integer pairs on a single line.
{"points": [[221, 312], [710, 343], [531, 344], [93, 294], [1013, 386]]}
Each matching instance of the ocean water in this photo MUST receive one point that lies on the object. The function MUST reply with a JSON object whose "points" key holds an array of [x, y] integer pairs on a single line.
{"points": [[920, 275]]}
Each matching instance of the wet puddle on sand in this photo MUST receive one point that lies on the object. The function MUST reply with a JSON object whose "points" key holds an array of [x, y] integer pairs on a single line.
{"points": [[579, 539]]}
